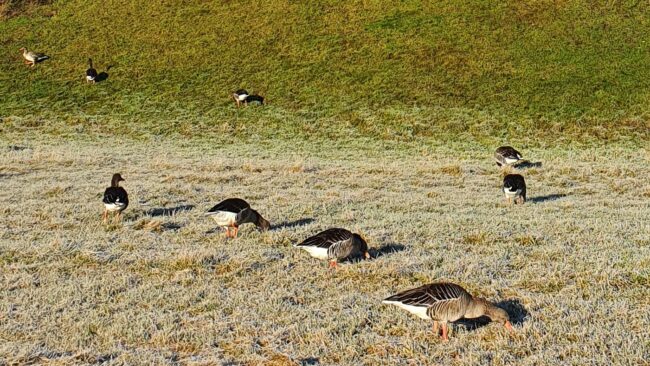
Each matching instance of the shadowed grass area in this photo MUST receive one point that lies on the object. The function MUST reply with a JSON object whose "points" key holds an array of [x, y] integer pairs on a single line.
{"points": [[536, 69]]}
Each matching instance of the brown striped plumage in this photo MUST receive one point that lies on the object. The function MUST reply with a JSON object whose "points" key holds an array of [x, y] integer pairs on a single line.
{"points": [[506, 155], [446, 302], [335, 244]]}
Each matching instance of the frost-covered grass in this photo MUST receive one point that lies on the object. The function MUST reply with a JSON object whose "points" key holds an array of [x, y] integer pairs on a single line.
{"points": [[571, 265]]}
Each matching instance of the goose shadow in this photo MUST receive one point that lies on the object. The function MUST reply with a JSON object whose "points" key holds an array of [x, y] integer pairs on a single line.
{"points": [[16, 147], [528, 164], [171, 226], [154, 212], [548, 197], [375, 253], [386, 249], [515, 309], [292, 224], [102, 76]]}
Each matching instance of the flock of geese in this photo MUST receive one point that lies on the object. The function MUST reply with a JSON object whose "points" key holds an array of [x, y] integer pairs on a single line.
{"points": [[441, 302]]}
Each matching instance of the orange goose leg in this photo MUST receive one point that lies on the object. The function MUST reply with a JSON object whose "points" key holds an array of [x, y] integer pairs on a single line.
{"points": [[436, 328], [444, 332], [332, 264], [236, 230], [105, 216]]}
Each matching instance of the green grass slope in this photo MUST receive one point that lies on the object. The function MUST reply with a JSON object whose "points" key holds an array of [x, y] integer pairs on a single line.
{"points": [[535, 69]]}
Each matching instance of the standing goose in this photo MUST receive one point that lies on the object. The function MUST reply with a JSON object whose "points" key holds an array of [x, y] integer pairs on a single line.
{"points": [[91, 73], [32, 58], [233, 212], [115, 198], [240, 96], [446, 302], [514, 187], [506, 155], [335, 244]]}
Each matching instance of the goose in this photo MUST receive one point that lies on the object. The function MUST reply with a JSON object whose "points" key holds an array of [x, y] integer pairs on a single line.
{"points": [[91, 73], [239, 96], [115, 198], [335, 244], [514, 187], [507, 155], [32, 58], [446, 302], [254, 99], [233, 212]]}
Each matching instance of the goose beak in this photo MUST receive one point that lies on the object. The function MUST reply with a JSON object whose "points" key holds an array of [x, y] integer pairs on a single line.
{"points": [[366, 255], [509, 326]]}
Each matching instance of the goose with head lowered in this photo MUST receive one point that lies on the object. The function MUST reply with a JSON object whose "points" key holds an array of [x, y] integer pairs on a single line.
{"points": [[335, 244], [240, 96], [446, 302], [507, 155], [233, 212]]}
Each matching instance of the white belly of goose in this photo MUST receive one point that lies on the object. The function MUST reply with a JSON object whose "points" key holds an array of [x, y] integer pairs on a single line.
{"points": [[419, 311], [509, 193], [316, 252], [117, 206], [90, 78], [224, 218], [511, 160]]}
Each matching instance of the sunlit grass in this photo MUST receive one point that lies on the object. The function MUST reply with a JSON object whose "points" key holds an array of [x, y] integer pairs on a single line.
{"points": [[541, 71], [572, 270]]}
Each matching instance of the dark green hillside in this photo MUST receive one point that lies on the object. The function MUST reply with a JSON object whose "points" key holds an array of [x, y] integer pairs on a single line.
{"points": [[383, 69]]}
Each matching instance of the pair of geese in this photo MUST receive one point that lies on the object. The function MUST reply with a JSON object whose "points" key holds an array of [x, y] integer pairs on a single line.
{"points": [[32, 58], [442, 302]]}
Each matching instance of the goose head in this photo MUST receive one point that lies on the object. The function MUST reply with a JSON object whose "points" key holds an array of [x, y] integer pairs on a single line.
{"points": [[262, 223], [361, 244], [117, 178], [496, 314]]}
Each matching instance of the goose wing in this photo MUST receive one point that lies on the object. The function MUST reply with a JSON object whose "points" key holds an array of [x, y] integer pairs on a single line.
{"points": [[514, 181], [114, 195], [327, 239], [235, 205], [504, 154], [429, 295]]}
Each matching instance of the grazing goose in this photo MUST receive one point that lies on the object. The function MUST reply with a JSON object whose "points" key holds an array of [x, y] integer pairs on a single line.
{"points": [[506, 155], [91, 73], [115, 198], [335, 244], [254, 99], [240, 96], [32, 58], [233, 212], [446, 302], [514, 186]]}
